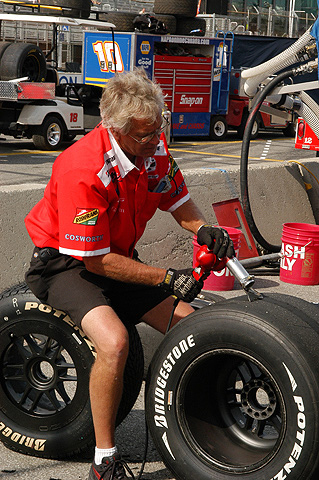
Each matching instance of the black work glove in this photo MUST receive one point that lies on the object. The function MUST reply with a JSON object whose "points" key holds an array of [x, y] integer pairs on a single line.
{"points": [[182, 284], [216, 239]]}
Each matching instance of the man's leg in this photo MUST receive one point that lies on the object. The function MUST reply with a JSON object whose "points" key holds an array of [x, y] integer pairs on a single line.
{"points": [[159, 316], [110, 339]]}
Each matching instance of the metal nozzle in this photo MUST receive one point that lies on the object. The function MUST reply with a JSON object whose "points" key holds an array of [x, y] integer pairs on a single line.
{"points": [[240, 273]]}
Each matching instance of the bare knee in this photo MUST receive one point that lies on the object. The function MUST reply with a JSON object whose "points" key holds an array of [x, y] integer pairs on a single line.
{"points": [[107, 333], [113, 344]]}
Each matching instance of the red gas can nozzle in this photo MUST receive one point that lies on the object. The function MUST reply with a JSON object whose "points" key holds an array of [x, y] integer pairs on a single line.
{"points": [[204, 261]]}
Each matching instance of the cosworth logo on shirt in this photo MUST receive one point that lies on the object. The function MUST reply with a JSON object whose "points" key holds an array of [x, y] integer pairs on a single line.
{"points": [[86, 216]]}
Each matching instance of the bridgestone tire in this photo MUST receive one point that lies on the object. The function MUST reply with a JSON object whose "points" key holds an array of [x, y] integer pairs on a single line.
{"points": [[123, 21], [180, 8], [44, 381], [70, 8], [232, 392], [186, 25], [23, 60], [218, 128]]}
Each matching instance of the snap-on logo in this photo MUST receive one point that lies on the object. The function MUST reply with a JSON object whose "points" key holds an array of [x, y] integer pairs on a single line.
{"points": [[191, 100]]}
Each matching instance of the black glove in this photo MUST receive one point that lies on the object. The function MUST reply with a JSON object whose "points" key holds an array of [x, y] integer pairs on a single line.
{"points": [[182, 284], [217, 239]]}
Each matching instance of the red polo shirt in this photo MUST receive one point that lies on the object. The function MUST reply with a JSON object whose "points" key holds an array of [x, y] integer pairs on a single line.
{"points": [[97, 201]]}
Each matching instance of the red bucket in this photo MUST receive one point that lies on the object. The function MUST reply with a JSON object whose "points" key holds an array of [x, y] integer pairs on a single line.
{"points": [[223, 280], [300, 254]]}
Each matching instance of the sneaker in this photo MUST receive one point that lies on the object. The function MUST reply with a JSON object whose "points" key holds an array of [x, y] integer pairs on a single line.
{"points": [[111, 468]]}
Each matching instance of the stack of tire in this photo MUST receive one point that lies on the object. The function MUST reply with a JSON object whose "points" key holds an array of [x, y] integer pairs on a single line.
{"points": [[178, 17], [18, 60]]}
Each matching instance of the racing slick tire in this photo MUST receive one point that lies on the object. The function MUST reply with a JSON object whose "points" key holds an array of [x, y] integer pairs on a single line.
{"points": [[180, 8], [3, 47], [186, 25], [122, 20], [51, 134], [232, 392], [44, 387], [23, 60], [218, 128]]}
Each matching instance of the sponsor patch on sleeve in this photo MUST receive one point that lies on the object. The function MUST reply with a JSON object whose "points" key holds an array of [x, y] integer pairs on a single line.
{"points": [[86, 216], [173, 168]]}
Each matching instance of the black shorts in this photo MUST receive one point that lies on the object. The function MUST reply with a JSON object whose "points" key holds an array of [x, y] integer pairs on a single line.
{"points": [[64, 283]]}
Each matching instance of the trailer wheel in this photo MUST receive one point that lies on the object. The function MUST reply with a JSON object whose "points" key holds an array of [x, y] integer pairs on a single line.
{"points": [[45, 367], [232, 391], [180, 8], [23, 60], [218, 128], [52, 134], [70, 8], [290, 129]]}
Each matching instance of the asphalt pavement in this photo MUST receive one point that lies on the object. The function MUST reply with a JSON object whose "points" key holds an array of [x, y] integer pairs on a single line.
{"points": [[21, 163]]}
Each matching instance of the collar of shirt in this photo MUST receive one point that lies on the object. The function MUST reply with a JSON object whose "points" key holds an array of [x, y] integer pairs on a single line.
{"points": [[125, 165]]}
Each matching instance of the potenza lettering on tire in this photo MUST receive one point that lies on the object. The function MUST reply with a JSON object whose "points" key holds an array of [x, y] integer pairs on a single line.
{"points": [[242, 401]]}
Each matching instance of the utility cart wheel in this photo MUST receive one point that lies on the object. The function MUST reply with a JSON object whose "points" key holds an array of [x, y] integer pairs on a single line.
{"points": [[218, 128], [255, 130], [52, 134], [44, 382], [232, 392]]}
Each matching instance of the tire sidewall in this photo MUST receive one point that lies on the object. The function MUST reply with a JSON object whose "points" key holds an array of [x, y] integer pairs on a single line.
{"points": [[42, 437], [282, 360], [14, 58], [20, 309]]}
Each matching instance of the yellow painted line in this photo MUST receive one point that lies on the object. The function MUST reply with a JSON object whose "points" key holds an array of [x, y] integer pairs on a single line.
{"points": [[30, 152], [223, 155]]}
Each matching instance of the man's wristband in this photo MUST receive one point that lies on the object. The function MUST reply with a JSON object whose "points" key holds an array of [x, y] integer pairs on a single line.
{"points": [[167, 282]]}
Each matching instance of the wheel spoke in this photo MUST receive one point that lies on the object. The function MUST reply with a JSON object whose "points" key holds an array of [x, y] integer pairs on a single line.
{"points": [[62, 392]]}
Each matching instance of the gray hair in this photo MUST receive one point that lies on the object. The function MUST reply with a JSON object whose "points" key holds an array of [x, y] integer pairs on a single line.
{"points": [[130, 95]]}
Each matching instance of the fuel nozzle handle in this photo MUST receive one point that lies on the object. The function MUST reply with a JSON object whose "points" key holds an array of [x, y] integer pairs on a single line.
{"points": [[205, 260]]}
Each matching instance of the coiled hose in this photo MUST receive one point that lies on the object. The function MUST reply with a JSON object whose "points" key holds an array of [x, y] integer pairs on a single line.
{"points": [[260, 97]]}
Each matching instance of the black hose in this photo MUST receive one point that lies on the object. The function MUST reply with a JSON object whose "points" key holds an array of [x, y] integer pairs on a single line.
{"points": [[260, 97]]}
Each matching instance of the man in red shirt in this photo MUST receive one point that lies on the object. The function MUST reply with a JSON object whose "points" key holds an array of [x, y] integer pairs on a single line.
{"points": [[102, 192]]}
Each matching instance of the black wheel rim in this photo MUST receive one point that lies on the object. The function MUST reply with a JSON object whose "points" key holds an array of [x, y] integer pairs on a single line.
{"points": [[31, 68], [41, 376], [231, 411]]}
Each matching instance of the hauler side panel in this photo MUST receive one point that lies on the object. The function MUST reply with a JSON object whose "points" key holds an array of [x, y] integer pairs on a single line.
{"points": [[192, 71]]}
